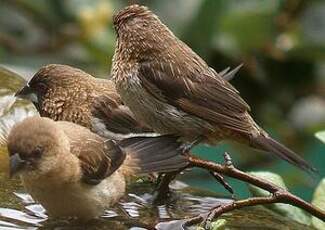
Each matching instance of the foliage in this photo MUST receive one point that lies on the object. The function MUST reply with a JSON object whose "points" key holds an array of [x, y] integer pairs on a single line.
{"points": [[321, 136]]}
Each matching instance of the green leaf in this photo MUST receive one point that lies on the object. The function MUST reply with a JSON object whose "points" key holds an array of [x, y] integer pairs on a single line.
{"points": [[321, 135], [220, 224], [319, 201], [287, 210]]}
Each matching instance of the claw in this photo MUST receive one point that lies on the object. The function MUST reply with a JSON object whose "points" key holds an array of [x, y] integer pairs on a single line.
{"points": [[186, 147]]}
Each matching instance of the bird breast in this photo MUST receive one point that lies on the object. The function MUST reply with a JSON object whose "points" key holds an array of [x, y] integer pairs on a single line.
{"points": [[164, 118], [77, 199]]}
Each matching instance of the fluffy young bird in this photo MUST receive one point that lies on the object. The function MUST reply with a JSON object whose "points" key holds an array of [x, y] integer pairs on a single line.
{"points": [[174, 91], [73, 172], [62, 92]]}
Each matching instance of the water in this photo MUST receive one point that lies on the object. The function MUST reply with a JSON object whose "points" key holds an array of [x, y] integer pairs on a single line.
{"points": [[134, 211]]}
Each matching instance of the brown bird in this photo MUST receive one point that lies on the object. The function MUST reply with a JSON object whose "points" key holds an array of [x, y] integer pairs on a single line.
{"points": [[73, 172], [174, 91], [62, 92]]}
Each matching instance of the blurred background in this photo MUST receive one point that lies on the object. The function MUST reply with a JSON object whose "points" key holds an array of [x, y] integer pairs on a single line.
{"points": [[281, 44]]}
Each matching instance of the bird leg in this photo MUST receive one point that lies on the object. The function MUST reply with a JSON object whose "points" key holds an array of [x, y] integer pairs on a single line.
{"points": [[162, 190], [186, 147]]}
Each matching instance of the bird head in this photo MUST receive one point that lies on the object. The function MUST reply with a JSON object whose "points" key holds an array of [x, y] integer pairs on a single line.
{"points": [[139, 31], [53, 83], [34, 146]]}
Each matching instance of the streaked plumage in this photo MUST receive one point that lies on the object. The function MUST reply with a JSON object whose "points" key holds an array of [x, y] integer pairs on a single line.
{"points": [[174, 91], [62, 92]]}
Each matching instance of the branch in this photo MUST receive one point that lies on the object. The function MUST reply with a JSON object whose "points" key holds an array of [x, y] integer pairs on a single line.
{"points": [[278, 194]]}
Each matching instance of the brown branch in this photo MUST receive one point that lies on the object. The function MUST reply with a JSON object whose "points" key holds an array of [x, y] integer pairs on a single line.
{"points": [[279, 195]]}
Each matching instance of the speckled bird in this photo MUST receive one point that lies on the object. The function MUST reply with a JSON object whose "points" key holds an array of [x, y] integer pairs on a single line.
{"points": [[73, 172], [174, 91], [65, 93]]}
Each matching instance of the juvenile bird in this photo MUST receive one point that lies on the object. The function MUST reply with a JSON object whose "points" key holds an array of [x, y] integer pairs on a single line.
{"points": [[73, 172], [62, 92], [174, 91]]}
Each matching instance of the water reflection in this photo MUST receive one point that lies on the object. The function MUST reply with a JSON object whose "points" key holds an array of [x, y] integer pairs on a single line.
{"points": [[135, 211], [131, 211], [19, 211]]}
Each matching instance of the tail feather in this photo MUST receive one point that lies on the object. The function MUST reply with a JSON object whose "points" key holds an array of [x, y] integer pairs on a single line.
{"points": [[154, 154], [268, 144]]}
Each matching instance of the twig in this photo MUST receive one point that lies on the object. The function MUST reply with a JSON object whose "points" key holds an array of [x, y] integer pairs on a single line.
{"points": [[278, 194], [222, 181]]}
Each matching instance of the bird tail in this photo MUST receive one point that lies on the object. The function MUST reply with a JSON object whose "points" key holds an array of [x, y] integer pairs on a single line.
{"points": [[154, 154], [266, 143]]}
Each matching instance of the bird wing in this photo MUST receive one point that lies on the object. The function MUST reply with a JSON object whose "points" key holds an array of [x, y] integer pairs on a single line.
{"points": [[153, 154], [110, 115], [98, 158], [197, 91]]}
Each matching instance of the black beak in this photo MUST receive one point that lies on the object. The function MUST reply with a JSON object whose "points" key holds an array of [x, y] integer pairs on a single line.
{"points": [[16, 164], [27, 93]]}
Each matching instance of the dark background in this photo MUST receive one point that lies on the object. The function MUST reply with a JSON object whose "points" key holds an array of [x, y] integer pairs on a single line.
{"points": [[280, 43]]}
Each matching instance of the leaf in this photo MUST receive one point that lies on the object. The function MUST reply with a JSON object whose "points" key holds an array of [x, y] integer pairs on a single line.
{"points": [[220, 224], [319, 201], [321, 136], [287, 210]]}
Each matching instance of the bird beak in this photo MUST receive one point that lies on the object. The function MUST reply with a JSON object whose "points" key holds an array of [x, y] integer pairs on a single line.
{"points": [[27, 93], [15, 165]]}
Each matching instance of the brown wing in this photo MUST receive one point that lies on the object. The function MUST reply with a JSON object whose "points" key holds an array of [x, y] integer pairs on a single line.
{"points": [[98, 158], [110, 115], [202, 93]]}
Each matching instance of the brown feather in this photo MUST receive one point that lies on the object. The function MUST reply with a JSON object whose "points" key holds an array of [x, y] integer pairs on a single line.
{"points": [[165, 83], [70, 94], [98, 158], [116, 117], [209, 101]]}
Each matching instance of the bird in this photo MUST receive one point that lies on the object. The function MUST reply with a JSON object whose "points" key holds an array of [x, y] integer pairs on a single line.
{"points": [[63, 92], [73, 172], [174, 91], [66, 93]]}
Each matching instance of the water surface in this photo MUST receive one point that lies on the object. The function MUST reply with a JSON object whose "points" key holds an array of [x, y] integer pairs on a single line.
{"points": [[135, 210]]}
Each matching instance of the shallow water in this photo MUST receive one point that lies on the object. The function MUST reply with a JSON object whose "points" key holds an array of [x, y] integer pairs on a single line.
{"points": [[19, 211], [135, 211]]}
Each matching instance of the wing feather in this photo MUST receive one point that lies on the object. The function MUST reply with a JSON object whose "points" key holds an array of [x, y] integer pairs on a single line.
{"points": [[205, 94], [98, 158]]}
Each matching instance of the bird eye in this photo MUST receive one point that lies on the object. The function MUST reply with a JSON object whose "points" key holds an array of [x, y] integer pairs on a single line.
{"points": [[41, 87]]}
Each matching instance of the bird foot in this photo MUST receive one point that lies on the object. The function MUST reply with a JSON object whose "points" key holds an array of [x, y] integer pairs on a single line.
{"points": [[162, 192], [186, 147]]}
